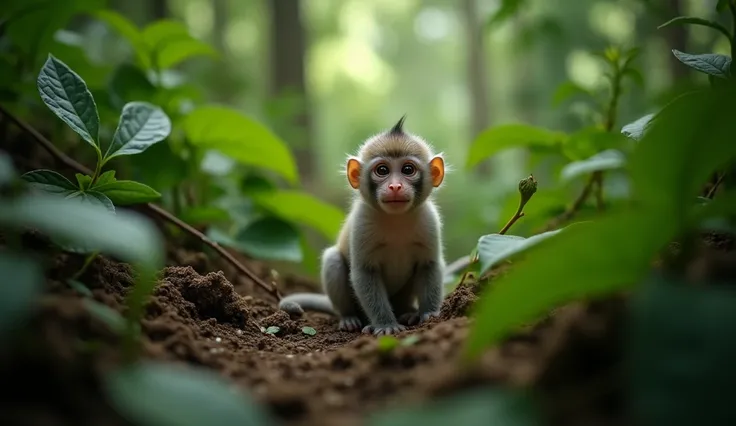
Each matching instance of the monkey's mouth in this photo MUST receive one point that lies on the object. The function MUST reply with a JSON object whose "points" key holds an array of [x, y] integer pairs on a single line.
{"points": [[395, 200]]}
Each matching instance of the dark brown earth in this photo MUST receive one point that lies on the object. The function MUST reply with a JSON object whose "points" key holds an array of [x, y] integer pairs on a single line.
{"points": [[202, 313]]}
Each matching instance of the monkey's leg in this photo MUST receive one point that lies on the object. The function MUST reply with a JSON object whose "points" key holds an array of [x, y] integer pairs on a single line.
{"points": [[372, 295], [428, 286], [335, 280]]}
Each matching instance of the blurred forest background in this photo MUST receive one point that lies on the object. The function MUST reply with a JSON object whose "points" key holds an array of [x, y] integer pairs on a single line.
{"points": [[326, 74]]}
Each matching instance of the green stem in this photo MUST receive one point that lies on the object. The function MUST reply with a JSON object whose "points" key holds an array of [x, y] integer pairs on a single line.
{"points": [[98, 168], [88, 261]]}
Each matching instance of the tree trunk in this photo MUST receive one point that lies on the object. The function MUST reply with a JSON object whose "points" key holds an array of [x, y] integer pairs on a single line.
{"points": [[677, 39], [288, 47], [476, 73], [159, 9]]}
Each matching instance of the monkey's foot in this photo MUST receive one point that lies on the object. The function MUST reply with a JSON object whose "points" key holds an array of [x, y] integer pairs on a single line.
{"points": [[350, 324], [406, 318], [380, 330], [417, 318]]}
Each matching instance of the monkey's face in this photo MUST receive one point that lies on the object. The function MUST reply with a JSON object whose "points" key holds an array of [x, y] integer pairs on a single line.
{"points": [[397, 184]]}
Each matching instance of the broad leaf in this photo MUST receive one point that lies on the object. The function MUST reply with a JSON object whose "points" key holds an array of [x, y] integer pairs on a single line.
{"points": [[93, 198], [681, 20], [157, 394], [127, 30], [126, 235], [709, 63], [172, 43], [636, 129], [141, 125], [240, 137], [67, 96], [270, 239], [567, 90], [83, 180], [49, 181], [105, 178], [7, 170], [494, 248], [500, 138], [589, 141], [204, 215], [106, 314], [22, 283], [302, 208], [127, 192], [606, 160], [477, 407]]}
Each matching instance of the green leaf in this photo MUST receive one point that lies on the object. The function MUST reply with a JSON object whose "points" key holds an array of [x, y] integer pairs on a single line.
{"points": [[204, 215], [606, 160], [129, 236], [682, 20], [240, 137], [272, 330], [83, 180], [503, 137], [494, 248], [309, 330], [22, 283], [93, 198], [302, 208], [80, 288], [709, 63], [634, 75], [410, 340], [49, 181], [127, 192], [105, 178], [7, 170], [106, 314], [270, 238], [477, 407], [157, 394], [67, 96], [589, 141], [159, 167], [141, 125], [127, 84], [387, 343], [567, 90], [172, 43], [636, 129], [127, 30], [506, 10], [722, 5]]}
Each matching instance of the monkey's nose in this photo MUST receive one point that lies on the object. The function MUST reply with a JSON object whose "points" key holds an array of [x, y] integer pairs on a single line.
{"points": [[394, 186]]}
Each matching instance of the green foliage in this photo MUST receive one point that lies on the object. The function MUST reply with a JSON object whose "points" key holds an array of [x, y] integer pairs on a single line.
{"points": [[272, 330], [707, 63], [292, 206], [155, 394], [609, 159], [270, 238], [141, 125], [106, 314], [495, 248], [309, 331], [481, 407], [127, 192], [635, 130], [684, 20], [499, 138], [22, 284]]}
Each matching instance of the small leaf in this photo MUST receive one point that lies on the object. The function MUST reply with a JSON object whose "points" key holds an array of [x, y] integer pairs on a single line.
{"points": [[127, 192], [410, 340], [636, 129], [157, 394], [681, 20], [507, 136], [241, 138], [105, 178], [67, 96], [106, 314], [141, 125], [606, 160], [494, 248], [80, 288], [292, 205], [567, 90], [7, 170], [127, 30], [272, 330], [309, 330], [83, 180], [49, 181], [22, 284], [708, 63], [387, 343]]}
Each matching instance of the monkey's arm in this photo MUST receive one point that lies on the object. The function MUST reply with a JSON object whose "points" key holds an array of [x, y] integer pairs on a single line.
{"points": [[371, 294]]}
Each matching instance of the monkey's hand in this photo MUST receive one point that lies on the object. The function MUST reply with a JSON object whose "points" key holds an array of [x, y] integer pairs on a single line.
{"points": [[380, 330]]}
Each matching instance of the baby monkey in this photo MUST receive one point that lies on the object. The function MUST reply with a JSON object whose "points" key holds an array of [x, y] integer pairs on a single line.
{"points": [[387, 265]]}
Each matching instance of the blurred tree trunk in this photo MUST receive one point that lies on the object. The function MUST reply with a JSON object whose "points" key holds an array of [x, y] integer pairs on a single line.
{"points": [[220, 10], [288, 48], [159, 9], [477, 76], [676, 39]]}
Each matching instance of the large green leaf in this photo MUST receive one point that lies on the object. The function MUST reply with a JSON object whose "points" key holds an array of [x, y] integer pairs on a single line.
{"points": [[709, 63], [270, 238], [302, 208], [127, 30], [22, 282], [49, 181], [477, 407], [157, 394], [494, 248], [606, 160], [240, 137], [127, 192], [500, 138], [172, 44], [691, 20], [67, 96], [141, 125]]}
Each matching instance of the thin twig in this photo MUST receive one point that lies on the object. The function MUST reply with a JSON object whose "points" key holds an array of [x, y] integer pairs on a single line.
{"points": [[714, 188], [71, 163], [519, 214]]}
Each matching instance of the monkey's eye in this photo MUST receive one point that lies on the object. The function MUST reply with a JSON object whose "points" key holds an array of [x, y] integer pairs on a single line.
{"points": [[408, 169], [382, 170]]}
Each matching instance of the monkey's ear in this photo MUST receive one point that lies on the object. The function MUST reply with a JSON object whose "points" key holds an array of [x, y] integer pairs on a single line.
{"points": [[354, 172], [437, 169]]}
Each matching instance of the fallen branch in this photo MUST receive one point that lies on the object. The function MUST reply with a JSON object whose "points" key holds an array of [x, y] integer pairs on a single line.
{"points": [[162, 213], [714, 188]]}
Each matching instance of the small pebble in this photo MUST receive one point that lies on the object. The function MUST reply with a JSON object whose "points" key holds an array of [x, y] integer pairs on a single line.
{"points": [[239, 332], [290, 356], [218, 340]]}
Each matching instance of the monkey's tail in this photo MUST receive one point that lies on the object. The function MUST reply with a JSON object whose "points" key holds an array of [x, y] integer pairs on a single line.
{"points": [[297, 303]]}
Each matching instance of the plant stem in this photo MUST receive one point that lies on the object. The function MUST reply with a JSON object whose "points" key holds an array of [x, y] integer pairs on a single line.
{"points": [[98, 169], [87, 261], [518, 215], [598, 177], [714, 188], [160, 212]]}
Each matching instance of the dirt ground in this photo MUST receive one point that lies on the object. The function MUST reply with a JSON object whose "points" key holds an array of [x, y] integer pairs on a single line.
{"points": [[203, 313]]}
